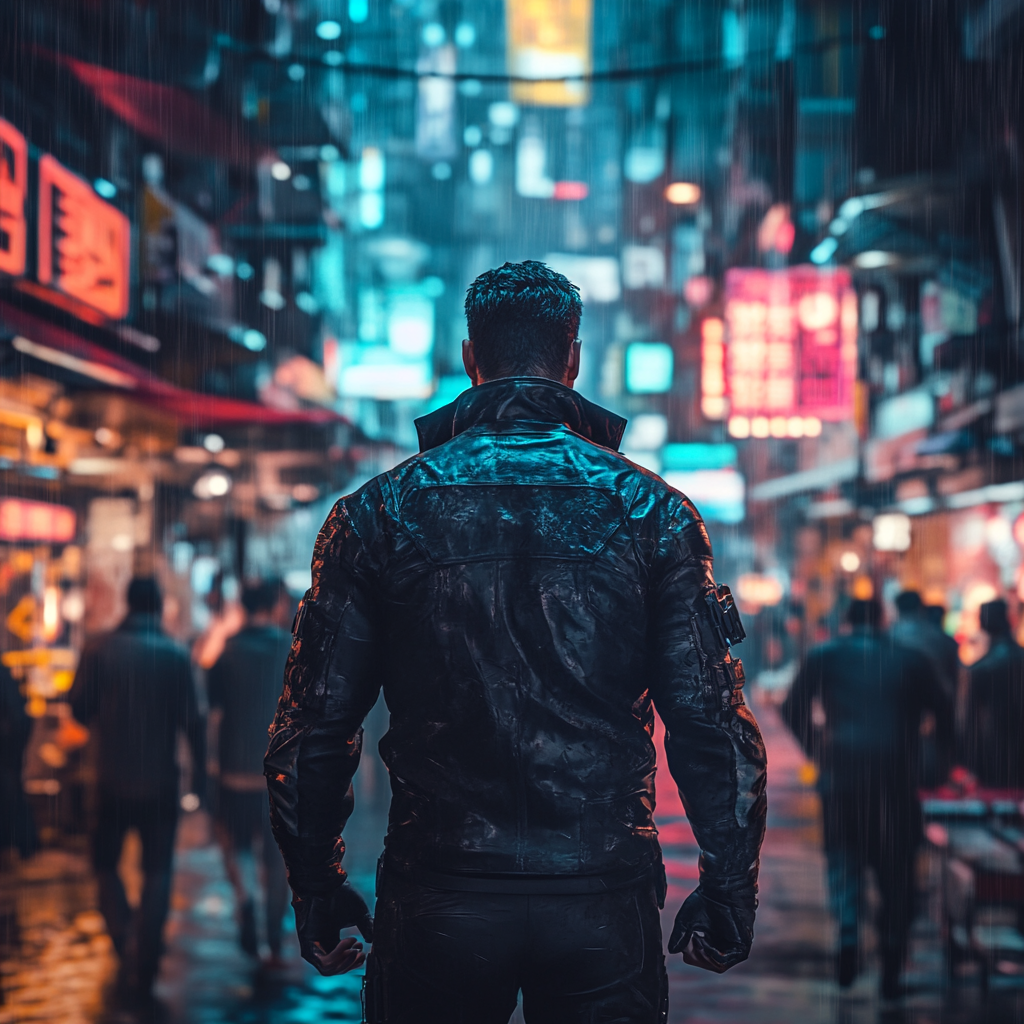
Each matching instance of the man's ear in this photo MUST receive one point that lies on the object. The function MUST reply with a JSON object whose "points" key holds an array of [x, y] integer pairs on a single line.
{"points": [[469, 362], [572, 370]]}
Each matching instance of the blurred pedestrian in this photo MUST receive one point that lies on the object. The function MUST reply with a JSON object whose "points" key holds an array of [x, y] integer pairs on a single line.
{"points": [[994, 719], [856, 708], [915, 629], [244, 685], [17, 827], [134, 688]]}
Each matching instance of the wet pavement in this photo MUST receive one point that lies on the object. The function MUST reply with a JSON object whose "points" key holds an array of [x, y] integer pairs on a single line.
{"points": [[57, 959]]}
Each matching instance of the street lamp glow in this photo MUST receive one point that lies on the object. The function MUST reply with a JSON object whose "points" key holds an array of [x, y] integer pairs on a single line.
{"points": [[328, 30], [280, 171], [683, 193]]}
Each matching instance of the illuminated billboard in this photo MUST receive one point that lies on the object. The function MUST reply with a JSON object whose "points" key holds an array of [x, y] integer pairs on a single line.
{"points": [[549, 39], [791, 347], [84, 243]]}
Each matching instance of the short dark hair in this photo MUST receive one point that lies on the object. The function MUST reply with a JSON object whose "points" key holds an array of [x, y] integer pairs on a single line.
{"points": [[865, 613], [261, 596], [993, 617], [522, 318], [144, 596], [908, 602]]}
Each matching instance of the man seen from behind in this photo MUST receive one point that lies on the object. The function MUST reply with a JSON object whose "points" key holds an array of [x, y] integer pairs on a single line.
{"points": [[526, 597]]}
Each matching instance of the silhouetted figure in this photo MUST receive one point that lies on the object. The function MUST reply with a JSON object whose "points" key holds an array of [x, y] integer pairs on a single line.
{"points": [[856, 707], [17, 827], [526, 596], [244, 684], [947, 649], [915, 629], [994, 722], [134, 689]]}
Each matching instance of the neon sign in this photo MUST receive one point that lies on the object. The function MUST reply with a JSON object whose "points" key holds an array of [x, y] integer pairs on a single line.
{"points": [[549, 40], [36, 521], [84, 243], [13, 190], [791, 348]]}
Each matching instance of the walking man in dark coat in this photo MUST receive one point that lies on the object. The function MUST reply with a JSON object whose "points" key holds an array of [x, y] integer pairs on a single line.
{"points": [[871, 695], [134, 689]]}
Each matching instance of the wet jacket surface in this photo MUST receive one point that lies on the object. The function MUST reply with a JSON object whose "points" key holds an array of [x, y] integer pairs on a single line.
{"points": [[134, 688], [874, 693], [995, 715], [524, 595]]}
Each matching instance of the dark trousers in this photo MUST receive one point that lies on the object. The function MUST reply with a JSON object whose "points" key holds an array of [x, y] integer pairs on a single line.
{"points": [[877, 828], [138, 938], [243, 820], [442, 957]]}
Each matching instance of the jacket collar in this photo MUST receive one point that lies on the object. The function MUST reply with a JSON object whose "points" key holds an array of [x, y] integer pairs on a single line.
{"points": [[521, 398]]}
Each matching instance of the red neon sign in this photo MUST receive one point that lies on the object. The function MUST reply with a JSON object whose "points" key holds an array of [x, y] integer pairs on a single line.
{"points": [[13, 189], [36, 520], [84, 243], [792, 342]]}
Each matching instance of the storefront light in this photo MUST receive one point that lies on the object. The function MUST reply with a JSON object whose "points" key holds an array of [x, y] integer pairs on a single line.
{"points": [[215, 484], [682, 193], [739, 426], [849, 561], [891, 532], [328, 30], [760, 427], [778, 426]]}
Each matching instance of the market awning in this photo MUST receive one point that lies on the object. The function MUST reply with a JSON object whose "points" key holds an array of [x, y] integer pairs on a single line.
{"points": [[51, 344], [165, 113]]}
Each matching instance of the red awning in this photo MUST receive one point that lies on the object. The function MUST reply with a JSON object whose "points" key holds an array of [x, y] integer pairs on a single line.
{"points": [[191, 408], [166, 114]]}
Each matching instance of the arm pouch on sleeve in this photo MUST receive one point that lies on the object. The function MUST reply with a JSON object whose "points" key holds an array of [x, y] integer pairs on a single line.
{"points": [[724, 616]]}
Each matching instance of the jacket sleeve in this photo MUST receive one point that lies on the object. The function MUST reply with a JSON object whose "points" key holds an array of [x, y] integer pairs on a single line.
{"points": [[715, 752], [330, 683]]}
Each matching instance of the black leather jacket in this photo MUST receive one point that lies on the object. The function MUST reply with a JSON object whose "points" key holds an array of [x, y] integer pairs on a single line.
{"points": [[523, 594]]}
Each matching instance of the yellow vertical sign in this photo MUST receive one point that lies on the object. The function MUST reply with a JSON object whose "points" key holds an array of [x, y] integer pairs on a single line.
{"points": [[549, 39]]}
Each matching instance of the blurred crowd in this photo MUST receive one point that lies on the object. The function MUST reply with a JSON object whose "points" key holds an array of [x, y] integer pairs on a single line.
{"points": [[884, 713], [142, 697]]}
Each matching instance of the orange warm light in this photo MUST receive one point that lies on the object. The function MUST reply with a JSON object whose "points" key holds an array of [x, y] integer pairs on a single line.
{"points": [[683, 193], [712, 369], [84, 243], [13, 189]]}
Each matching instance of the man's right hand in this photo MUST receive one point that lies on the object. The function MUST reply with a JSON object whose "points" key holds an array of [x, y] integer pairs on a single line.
{"points": [[319, 921], [714, 934]]}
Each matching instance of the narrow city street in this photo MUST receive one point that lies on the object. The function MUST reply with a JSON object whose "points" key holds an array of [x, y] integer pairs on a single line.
{"points": [[57, 957]]}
